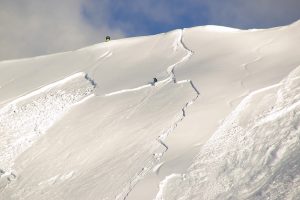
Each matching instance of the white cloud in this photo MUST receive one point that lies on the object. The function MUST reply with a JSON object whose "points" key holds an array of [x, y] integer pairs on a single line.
{"points": [[36, 27]]}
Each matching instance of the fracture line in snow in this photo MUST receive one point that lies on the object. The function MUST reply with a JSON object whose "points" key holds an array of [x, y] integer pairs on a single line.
{"points": [[156, 157], [150, 85], [128, 90], [170, 70], [167, 80], [171, 129], [181, 44], [43, 89], [173, 76]]}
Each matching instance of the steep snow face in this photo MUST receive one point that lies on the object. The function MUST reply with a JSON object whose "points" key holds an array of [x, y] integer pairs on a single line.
{"points": [[20, 77], [117, 131], [91, 124], [24, 120], [106, 149], [253, 155], [225, 67]]}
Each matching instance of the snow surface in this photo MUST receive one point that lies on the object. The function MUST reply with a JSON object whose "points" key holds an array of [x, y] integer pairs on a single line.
{"points": [[23, 120], [218, 124], [253, 155]]}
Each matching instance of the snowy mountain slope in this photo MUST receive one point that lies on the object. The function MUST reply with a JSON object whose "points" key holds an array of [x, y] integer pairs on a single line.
{"points": [[121, 142], [253, 155], [26, 118], [123, 122], [42, 71], [225, 67], [109, 128]]}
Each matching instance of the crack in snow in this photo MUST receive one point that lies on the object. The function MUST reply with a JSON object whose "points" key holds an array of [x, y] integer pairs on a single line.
{"points": [[172, 78], [262, 149], [128, 90]]}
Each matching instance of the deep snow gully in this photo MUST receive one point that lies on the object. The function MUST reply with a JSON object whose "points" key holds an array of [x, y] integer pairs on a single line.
{"points": [[156, 157]]}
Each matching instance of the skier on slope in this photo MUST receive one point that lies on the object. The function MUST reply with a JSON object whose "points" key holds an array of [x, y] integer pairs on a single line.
{"points": [[154, 81], [107, 38]]}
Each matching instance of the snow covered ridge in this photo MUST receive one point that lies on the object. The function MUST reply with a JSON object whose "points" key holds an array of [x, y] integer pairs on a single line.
{"points": [[108, 147], [255, 154], [156, 157], [25, 119]]}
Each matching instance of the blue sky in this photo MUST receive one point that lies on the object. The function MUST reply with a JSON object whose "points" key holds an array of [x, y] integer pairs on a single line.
{"points": [[140, 17], [36, 27], [149, 16]]}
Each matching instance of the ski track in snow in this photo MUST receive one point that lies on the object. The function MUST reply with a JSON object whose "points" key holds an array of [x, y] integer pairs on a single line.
{"points": [[156, 157], [247, 70], [91, 70], [7, 83], [257, 59], [26, 118]]}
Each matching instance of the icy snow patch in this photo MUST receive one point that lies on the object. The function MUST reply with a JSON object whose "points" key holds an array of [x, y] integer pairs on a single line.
{"points": [[25, 119]]}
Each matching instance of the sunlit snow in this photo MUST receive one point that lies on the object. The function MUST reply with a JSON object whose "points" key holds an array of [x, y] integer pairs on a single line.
{"points": [[221, 122]]}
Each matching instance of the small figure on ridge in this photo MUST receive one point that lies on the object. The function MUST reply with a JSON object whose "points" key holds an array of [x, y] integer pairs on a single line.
{"points": [[154, 81]]}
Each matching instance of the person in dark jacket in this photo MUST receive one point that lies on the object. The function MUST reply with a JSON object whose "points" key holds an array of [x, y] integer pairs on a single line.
{"points": [[154, 81]]}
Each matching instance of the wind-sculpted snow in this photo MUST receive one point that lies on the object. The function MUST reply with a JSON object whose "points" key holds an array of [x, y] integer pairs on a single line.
{"points": [[253, 155], [25, 119]]}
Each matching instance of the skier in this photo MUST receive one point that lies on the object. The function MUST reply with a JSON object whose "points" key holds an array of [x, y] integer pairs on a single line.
{"points": [[154, 81], [107, 38]]}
